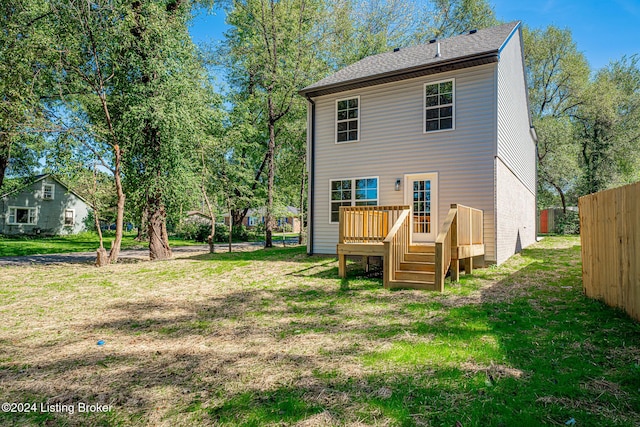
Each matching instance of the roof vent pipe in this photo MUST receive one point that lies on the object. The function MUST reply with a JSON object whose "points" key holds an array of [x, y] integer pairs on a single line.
{"points": [[397, 49], [438, 51]]}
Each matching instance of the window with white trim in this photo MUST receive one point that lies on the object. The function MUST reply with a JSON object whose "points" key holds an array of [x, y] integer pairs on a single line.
{"points": [[352, 192], [69, 216], [439, 106], [47, 191], [347, 119], [19, 215], [253, 221]]}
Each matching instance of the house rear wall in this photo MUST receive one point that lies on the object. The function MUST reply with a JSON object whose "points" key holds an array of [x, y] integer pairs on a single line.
{"points": [[392, 144]]}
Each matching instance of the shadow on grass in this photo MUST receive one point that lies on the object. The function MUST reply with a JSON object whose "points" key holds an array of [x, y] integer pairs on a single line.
{"points": [[530, 350]]}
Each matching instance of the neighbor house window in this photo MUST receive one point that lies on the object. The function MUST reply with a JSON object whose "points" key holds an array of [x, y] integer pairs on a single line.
{"points": [[439, 106], [252, 221], [347, 119], [69, 216], [47, 191], [352, 192], [22, 216]]}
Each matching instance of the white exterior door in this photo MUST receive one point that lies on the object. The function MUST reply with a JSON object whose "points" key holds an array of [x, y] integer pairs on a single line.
{"points": [[421, 193]]}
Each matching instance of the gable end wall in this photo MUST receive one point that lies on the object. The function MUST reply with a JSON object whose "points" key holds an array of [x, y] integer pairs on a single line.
{"points": [[515, 162]]}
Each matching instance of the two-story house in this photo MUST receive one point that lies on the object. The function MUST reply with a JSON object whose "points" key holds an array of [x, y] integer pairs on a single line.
{"points": [[423, 128]]}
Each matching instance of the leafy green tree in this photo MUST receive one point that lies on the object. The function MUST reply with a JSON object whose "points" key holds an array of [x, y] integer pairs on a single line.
{"points": [[162, 107], [558, 75], [25, 79], [608, 127], [271, 41]]}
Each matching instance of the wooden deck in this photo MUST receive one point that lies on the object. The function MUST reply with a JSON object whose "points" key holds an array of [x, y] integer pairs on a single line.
{"points": [[385, 231]]}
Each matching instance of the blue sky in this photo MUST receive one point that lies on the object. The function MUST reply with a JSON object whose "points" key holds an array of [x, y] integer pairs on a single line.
{"points": [[603, 30]]}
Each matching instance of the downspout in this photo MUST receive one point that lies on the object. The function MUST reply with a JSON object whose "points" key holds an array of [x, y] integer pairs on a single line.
{"points": [[312, 174]]}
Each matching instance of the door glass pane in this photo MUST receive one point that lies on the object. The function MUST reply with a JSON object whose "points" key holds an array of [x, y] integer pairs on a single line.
{"points": [[422, 209]]}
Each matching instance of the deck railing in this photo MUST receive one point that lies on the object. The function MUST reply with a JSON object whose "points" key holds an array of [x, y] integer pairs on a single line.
{"points": [[469, 226], [396, 245], [444, 243], [367, 224], [461, 232], [461, 237]]}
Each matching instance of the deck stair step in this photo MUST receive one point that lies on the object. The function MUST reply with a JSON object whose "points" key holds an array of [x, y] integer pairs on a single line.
{"points": [[422, 249], [418, 266], [419, 257], [415, 276]]}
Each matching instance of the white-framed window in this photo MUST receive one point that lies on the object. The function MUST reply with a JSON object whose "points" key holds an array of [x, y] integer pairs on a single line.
{"points": [[351, 192], [439, 106], [21, 215], [348, 120], [48, 191], [69, 217], [252, 221]]}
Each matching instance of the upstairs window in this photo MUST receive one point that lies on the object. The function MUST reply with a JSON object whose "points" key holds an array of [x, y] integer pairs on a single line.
{"points": [[347, 120], [352, 192], [439, 106], [47, 191]]}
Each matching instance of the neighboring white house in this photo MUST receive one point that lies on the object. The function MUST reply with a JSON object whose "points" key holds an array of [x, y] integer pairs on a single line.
{"points": [[427, 126], [45, 206]]}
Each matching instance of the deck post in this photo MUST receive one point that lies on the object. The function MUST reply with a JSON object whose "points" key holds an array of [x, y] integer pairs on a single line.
{"points": [[342, 265], [468, 265], [386, 270], [365, 263], [455, 270]]}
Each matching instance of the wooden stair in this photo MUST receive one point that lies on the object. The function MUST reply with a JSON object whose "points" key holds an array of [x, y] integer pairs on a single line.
{"points": [[417, 269]]}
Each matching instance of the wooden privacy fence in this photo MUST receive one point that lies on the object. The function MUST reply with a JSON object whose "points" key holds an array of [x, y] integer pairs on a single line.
{"points": [[610, 237]]}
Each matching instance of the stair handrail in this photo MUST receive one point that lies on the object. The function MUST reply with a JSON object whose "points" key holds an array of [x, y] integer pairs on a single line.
{"points": [[444, 242], [396, 244]]}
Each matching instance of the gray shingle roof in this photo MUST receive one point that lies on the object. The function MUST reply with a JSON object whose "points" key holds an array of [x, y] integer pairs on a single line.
{"points": [[417, 60]]}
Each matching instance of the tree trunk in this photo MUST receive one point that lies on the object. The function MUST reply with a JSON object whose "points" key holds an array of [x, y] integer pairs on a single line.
{"points": [[142, 227], [562, 197], [102, 258], [158, 240], [5, 155], [211, 238], [115, 247], [230, 230], [268, 242]]}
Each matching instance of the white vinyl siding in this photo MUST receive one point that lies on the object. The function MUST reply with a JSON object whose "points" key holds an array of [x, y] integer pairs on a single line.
{"points": [[439, 106], [515, 145], [351, 192], [393, 144], [348, 120]]}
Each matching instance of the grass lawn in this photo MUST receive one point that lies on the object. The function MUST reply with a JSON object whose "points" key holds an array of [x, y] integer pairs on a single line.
{"points": [[273, 337], [83, 242]]}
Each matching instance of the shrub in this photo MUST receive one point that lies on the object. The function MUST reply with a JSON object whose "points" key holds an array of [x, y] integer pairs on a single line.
{"points": [[222, 233], [193, 231], [567, 223], [240, 232]]}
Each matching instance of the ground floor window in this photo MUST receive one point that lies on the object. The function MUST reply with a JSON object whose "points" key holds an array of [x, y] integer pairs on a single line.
{"points": [[22, 215], [352, 192], [69, 216]]}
